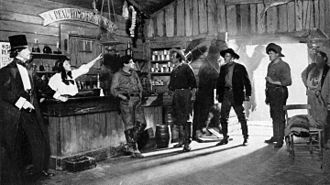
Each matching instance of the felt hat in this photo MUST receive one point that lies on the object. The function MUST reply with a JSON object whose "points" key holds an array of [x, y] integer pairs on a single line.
{"points": [[17, 42], [178, 51], [274, 47], [230, 51]]}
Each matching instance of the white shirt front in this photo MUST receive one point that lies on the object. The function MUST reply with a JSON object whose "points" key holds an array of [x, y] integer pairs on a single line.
{"points": [[60, 88], [25, 77]]}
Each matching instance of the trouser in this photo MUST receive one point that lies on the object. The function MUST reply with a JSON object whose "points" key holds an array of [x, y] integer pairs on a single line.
{"points": [[182, 113], [202, 106], [277, 97], [134, 121], [25, 144], [227, 103]]}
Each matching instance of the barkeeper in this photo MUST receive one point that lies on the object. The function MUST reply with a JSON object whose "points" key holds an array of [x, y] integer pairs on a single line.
{"points": [[63, 82], [183, 85]]}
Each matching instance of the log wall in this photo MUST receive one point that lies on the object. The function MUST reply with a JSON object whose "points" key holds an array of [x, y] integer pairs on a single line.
{"points": [[21, 17], [238, 18]]}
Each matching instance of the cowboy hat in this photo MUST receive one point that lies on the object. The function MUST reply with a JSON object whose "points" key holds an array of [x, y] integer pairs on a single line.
{"points": [[274, 47], [178, 51], [231, 52]]}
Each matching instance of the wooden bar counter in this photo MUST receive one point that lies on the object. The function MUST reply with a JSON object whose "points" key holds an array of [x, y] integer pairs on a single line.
{"points": [[88, 126]]}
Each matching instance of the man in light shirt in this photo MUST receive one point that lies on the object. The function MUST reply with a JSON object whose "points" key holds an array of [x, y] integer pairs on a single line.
{"points": [[23, 133]]}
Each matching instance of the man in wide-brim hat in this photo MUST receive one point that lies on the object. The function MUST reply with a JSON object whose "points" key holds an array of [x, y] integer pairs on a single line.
{"points": [[277, 79], [233, 88], [231, 52], [19, 113]]}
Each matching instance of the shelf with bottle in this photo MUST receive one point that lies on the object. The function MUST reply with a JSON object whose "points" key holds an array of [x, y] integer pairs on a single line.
{"points": [[47, 55]]}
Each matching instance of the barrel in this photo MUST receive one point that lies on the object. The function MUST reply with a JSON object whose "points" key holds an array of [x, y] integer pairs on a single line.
{"points": [[162, 136]]}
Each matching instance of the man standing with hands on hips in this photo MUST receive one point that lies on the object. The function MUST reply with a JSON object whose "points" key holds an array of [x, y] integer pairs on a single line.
{"points": [[277, 79]]}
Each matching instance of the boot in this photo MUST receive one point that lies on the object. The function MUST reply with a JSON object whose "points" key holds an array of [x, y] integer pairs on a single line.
{"points": [[136, 153], [181, 134], [187, 137], [223, 141], [129, 140]]}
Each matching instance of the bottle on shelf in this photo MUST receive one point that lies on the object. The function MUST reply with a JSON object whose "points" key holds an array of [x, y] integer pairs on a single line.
{"points": [[35, 47], [58, 49]]}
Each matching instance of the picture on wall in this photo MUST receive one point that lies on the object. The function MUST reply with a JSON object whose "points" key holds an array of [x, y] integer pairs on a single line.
{"points": [[4, 54]]}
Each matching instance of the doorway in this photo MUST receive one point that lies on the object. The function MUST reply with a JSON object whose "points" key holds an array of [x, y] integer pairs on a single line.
{"points": [[296, 55]]}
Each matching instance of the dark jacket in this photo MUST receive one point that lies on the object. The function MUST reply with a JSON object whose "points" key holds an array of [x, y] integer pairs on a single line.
{"points": [[240, 82], [11, 89]]}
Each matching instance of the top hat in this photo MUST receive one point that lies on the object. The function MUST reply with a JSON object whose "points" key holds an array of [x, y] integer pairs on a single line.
{"points": [[231, 52], [274, 47], [180, 52], [17, 42]]}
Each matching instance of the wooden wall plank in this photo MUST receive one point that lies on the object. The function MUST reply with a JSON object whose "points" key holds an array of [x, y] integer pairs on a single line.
{"points": [[188, 17], [231, 19], [307, 18], [160, 24], [317, 13], [28, 28], [43, 39], [169, 21], [180, 18], [327, 15], [299, 15], [322, 14], [253, 17], [283, 18], [260, 22], [221, 16], [245, 18], [150, 28], [195, 18], [272, 20], [211, 17], [202, 11], [291, 17]]}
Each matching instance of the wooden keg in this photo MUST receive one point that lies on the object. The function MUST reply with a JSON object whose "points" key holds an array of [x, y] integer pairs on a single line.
{"points": [[162, 136]]}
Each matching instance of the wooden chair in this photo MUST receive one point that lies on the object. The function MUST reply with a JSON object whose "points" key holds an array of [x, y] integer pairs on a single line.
{"points": [[314, 136]]}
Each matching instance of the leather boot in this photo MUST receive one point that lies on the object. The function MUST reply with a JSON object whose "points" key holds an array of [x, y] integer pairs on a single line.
{"points": [[187, 137], [181, 134], [129, 140]]}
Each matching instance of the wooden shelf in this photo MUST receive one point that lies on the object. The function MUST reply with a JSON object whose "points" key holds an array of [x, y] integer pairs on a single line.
{"points": [[48, 55], [160, 61], [160, 74]]}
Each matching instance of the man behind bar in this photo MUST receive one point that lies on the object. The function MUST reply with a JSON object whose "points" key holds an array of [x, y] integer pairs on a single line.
{"points": [[183, 85], [277, 79], [23, 133]]}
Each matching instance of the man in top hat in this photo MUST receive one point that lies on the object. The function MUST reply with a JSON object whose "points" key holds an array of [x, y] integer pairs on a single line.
{"points": [[277, 79], [233, 87], [183, 85], [23, 134]]}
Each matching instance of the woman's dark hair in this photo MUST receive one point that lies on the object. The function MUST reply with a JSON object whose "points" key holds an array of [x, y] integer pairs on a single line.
{"points": [[14, 52], [60, 69]]}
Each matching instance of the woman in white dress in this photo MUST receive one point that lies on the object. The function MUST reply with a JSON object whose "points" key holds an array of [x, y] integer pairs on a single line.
{"points": [[63, 82]]}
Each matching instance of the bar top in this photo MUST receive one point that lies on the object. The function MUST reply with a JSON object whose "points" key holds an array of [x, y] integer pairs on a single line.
{"points": [[88, 104]]}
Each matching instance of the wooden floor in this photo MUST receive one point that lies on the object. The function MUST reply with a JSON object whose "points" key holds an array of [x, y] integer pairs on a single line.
{"points": [[234, 164]]}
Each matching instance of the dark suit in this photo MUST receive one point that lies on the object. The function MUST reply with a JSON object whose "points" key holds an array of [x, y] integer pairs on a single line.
{"points": [[23, 133], [233, 96]]}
